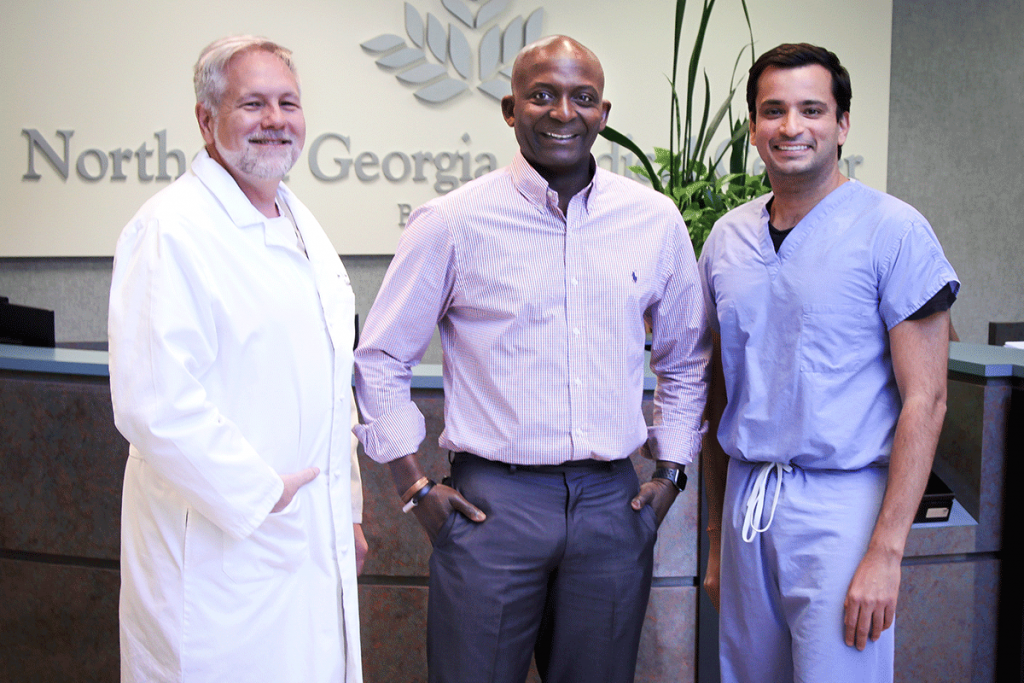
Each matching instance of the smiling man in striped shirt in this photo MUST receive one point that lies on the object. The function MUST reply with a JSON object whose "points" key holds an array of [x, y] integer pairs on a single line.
{"points": [[540, 277]]}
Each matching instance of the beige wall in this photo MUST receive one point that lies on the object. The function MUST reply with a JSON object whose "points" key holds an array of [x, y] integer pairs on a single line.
{"points": [[118, 72]]}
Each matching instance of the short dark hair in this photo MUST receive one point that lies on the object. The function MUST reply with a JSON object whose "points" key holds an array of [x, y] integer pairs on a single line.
{"points": [[793, 55]]}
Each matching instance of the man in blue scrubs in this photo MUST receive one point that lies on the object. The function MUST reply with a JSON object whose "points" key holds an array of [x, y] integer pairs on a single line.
{"points": [[830, 303]]}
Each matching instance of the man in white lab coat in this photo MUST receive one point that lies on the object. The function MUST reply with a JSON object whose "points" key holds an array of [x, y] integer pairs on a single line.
{"points": [[231, 334]]}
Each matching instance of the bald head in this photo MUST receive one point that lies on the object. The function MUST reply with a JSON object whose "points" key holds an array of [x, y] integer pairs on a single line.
{"points": [[550, 49], [557, 108]]}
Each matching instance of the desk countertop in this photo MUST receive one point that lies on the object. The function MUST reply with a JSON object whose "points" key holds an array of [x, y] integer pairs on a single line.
{"points": [[971, 359]]}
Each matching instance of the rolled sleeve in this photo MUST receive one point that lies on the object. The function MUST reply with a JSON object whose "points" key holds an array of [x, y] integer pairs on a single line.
{"points": [[680, 354], [414, 295]]}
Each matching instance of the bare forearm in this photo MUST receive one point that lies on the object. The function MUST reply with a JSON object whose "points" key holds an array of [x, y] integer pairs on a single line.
{"points": [[917, 434], [919, 356], [920, 350], [405, 471], [714, 465], [715, 462]]}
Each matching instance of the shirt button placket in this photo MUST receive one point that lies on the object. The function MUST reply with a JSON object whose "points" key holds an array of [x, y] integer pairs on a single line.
{"points": [[575, 324]]}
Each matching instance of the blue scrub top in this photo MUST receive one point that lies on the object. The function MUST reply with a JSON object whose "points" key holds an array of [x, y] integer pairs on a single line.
{"points": [[805, 344]]}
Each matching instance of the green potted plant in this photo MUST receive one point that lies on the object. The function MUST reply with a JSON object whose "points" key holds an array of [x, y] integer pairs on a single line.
{"points": [[687, 171]]}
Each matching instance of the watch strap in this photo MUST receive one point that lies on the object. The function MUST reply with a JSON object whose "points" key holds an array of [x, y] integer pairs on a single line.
{"points": [[675, 475]]}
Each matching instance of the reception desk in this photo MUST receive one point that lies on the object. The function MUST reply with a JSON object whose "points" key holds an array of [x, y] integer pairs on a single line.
{"points": [[62, 462]]}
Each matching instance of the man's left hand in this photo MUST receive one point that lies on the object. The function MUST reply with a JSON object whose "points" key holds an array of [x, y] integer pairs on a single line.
{"points": [[362, 547], [870, 605], [659, 494]]}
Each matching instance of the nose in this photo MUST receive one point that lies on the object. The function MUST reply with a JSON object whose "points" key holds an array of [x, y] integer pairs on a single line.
{"points": [[273, 116], [563, 110], [792, 124]]}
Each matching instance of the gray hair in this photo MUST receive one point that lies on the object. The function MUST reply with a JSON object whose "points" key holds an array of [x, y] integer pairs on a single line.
{"points": [[209, 74]]}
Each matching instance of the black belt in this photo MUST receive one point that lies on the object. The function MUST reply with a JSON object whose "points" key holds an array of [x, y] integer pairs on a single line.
{"points": [[589, 463]]}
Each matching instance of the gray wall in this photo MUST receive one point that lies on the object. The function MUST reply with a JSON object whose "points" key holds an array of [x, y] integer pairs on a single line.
{"points": [[955, 145], [955, 152]]}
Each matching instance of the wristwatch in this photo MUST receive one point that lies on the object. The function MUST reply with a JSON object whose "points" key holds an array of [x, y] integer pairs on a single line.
{"points": [[674, 475]]}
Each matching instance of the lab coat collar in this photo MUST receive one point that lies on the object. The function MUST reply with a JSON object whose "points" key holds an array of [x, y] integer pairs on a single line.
{"points": [[238, 207]]}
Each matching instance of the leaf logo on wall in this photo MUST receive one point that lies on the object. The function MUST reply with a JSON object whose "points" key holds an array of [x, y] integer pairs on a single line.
{"points": [[447, 77]]}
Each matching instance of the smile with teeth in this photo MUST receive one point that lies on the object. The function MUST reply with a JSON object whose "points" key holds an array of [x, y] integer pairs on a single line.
{"points": [[791, 147], [557, 136]]}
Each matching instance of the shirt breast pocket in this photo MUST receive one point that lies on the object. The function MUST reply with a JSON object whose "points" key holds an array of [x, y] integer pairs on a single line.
{"points": [[837, 338]]}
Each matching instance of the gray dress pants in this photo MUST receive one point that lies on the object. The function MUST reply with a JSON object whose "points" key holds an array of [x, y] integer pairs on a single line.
{"points": [[560, 569]]}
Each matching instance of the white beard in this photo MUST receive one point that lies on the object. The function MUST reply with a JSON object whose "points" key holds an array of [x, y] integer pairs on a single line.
{"points": [[265, 162]]}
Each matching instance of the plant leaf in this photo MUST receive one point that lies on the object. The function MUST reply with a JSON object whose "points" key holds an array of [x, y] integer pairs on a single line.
{"points": [[404, 57], [458, 49], [442, 91], [489, 11], [512, 40], [382, 43], [534, 24], [461, 11], [615, 136], [490, 51], [414, 25], [496, 88], [420, 74], [437, 38]]}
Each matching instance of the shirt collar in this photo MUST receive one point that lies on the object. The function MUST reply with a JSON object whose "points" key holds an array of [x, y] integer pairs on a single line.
{"points": [[534, 188]]}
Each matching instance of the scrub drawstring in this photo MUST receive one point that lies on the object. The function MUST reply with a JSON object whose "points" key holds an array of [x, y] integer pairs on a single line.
{"points": [[755, 502]]}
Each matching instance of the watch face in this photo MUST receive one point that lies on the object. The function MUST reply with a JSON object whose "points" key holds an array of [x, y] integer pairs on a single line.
{"points": [[676, 476]]}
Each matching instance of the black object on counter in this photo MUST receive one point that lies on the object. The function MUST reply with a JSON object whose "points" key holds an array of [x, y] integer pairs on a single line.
{"points": [[25, 325]]}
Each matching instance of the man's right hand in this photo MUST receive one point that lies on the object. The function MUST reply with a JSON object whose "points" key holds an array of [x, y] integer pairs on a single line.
{"points": [[437, 506], [292, 483]]}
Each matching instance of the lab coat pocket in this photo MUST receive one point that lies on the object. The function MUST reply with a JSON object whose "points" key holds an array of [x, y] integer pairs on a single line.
{"points": [[279, 545]]}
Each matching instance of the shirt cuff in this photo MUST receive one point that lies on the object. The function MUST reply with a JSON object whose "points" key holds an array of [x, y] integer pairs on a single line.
{"points": [[674, 443], [393, 435]]}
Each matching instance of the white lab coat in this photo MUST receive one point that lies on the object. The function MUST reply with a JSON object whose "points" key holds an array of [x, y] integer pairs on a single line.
{"points": [[230, 363]]}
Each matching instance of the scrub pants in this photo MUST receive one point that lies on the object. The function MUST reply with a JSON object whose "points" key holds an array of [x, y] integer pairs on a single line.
{"points": [[782, 594], [561, 569]]}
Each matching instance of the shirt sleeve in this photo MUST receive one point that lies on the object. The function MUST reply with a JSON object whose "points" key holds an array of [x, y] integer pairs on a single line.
{"points": [[415, 294], [704, 272], [162, 336], [914, 271], [680, 354], [942, 301]]}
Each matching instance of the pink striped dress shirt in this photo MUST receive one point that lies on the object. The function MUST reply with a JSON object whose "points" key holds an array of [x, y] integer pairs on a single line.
{"points": [[541, 318]]}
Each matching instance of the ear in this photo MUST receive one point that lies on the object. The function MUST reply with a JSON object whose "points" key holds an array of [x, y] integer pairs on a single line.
{"points": [[508, 104], [606, 107], [751, 127], [205, 118], [844, 127]]}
